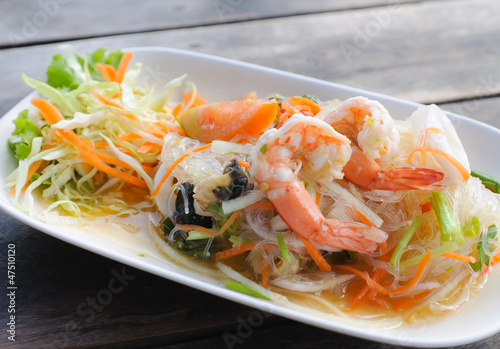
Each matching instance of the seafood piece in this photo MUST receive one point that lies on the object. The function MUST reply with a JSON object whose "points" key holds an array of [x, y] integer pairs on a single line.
{"points": [[230, 185], [185, 212], [437, 145], [223, 121], [321, 152], [371, 129]]}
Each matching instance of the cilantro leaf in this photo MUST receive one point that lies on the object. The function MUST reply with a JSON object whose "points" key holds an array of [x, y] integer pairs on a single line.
{"points": [[312, 98], [22, 137]]}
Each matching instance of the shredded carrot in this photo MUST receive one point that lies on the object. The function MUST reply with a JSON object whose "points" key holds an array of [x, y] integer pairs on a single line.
{"points": [[147, 147], [177, 110], [34, 167], [420, 272], [229, 221], [262, 205], [423, 137], [127, 56], [12, 192], [197, 100], [103, 71], [100, 144], [111, 71], [301, 101], [459, 257], [495, 260], [427, 207], [364, 220], [244, 164], [131, 117], [465, 174], [106, 101], [315, 255], [190, 227], [128, 136], [222, 255], [318, 198], [409, 302], [265, 277], [361, 298], [155, 133], [174, 165], [53, 115]]}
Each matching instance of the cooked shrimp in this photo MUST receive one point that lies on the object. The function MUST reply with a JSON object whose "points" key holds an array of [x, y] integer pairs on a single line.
{"points": [[371, 129], [437, 145], [322, 152]]}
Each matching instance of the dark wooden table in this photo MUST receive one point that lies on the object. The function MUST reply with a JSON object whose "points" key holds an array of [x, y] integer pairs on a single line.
{"points": [[444, 52]]}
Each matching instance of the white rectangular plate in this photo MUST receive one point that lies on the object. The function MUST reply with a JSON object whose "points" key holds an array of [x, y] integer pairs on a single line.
{"points": [[221, 79]]}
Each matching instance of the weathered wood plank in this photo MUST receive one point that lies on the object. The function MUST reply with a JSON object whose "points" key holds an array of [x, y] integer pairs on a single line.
{"points": [[453, 56], [486, 110], [64, 299], [297, 336], [27, 22]]}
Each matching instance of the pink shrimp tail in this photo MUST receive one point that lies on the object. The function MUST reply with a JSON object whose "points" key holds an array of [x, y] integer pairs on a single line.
{"points": [[351, 236], [300, 212], [367, 174], [407, 178]]}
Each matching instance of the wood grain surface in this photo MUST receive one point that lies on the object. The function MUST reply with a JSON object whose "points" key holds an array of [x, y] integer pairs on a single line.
{"points": [[442, 52], [29, 22]]}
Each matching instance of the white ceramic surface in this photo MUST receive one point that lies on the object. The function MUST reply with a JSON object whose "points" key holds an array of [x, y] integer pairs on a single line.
{"points": [[223, 79]]}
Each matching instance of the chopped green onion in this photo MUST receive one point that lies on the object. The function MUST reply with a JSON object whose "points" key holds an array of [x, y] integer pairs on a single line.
{"points": [[281, 243], [471, 227], [398, 252], [198, 235], [168, 225], [217, 209], [489, 182], [450, 231], [236, 286], [434, 253], [263, 149], [481, 257]]}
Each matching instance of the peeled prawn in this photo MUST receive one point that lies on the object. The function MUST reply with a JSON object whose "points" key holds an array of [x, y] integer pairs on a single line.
{"points": [[313, 146], [371, 129]]}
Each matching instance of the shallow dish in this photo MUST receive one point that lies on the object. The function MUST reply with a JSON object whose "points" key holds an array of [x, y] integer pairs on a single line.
{"points": [[222, 79]]}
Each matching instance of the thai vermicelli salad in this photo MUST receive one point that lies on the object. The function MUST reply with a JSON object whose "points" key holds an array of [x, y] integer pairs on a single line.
{"points": [[329, 206]]}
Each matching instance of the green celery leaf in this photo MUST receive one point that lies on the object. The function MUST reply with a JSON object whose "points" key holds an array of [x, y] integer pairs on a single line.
{"points": [[22, 137], [102, 56], [60, 75]]}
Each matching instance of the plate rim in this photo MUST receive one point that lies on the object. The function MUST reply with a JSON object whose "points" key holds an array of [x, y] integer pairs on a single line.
{"points": [[356, 331]]}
